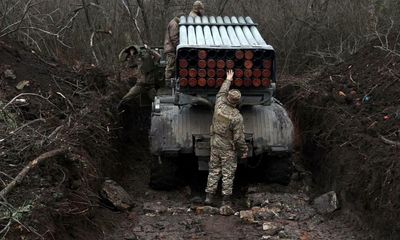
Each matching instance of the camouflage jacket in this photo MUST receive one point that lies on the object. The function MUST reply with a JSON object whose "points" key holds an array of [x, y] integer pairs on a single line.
{"points": [[227, 129], [172, 36], [148, 67], [193, 14]]}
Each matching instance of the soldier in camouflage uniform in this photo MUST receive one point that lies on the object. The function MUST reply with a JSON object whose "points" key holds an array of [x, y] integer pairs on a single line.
{"points": [[197, 10], [227, 138], [171, 41], [129, 56], [148, 76]]}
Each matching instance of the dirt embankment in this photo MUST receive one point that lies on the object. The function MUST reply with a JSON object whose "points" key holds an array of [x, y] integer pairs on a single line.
{"points": [[348, 118], [57, 107]]}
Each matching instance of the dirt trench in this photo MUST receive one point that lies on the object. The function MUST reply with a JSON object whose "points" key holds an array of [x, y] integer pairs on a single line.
{"points": [[170, 215], [326, 159]]}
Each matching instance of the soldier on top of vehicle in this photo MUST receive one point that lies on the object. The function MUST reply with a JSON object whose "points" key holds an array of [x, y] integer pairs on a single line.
{"points": [[197, 10], [227, 139], [171, 41], [148, 60]]}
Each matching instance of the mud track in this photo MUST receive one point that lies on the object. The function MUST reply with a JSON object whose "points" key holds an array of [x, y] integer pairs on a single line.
{"points": [[170, 215]]}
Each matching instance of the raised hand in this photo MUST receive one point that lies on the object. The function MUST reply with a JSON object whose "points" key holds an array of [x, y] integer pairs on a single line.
{"points": [[229, 75]]}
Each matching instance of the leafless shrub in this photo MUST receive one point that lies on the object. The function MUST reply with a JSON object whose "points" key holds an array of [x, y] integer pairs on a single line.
{"points": [[387, 43], [305, 32]]}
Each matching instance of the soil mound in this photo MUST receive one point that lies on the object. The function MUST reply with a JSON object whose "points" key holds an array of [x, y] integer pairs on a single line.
{"points": [[348, 119], [46, 106]]}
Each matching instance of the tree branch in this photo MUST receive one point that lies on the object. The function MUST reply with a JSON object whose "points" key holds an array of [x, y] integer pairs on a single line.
{"points": [[27, 94], [87, 16], [145, 20], [32, 165], [134, 19], [222, 7], [26, 9], [92, 43]]}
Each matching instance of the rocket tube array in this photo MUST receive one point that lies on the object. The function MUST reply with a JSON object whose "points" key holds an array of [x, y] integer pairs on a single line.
{"points": [[206, 68]]}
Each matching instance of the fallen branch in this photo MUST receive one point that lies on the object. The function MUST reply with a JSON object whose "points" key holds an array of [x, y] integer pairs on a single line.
{"points": [[27, 124], [18, 179], [28, 94], [390, 142]]}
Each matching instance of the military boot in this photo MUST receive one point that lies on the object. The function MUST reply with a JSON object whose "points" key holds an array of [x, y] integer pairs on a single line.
{"points": [[209, 199], [227, 200]]}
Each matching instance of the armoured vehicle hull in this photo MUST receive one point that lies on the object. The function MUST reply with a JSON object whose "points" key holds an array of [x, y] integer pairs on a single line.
{"points": [[185, 130]]}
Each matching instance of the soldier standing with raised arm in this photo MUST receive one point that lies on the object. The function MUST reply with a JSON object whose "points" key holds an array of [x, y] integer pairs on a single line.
{"points": [[227, 138]]}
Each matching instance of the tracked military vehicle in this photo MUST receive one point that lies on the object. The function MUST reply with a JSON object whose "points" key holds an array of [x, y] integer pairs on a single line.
{"points": [[209, 46]]}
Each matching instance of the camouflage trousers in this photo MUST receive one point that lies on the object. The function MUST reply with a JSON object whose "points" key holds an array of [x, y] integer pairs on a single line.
{"points": [[222, 163], [170, 67]]}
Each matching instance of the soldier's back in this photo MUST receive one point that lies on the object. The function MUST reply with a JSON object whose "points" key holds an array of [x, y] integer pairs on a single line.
{"points": [[224, 119]]}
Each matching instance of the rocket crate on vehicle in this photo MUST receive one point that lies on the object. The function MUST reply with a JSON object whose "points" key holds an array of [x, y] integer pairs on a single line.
{"points": [[209, 46]]}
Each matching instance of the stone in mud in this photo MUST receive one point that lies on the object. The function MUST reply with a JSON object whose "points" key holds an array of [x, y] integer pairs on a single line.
{"points": [[176, 210], [206, 210], [116, 195], [247, 216], [256, 199], [252, 189], [283, 235], [264, 213], [154, 207], [9, 74], [269, 237], [226, 211], [271, 228], [326, 203]]}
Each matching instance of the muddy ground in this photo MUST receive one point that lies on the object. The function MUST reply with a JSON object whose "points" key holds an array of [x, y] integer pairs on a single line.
{"points": [[170, 215]]}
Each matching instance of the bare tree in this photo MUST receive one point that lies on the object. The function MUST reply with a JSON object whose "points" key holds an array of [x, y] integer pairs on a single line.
{"points": [[304, 32]]}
